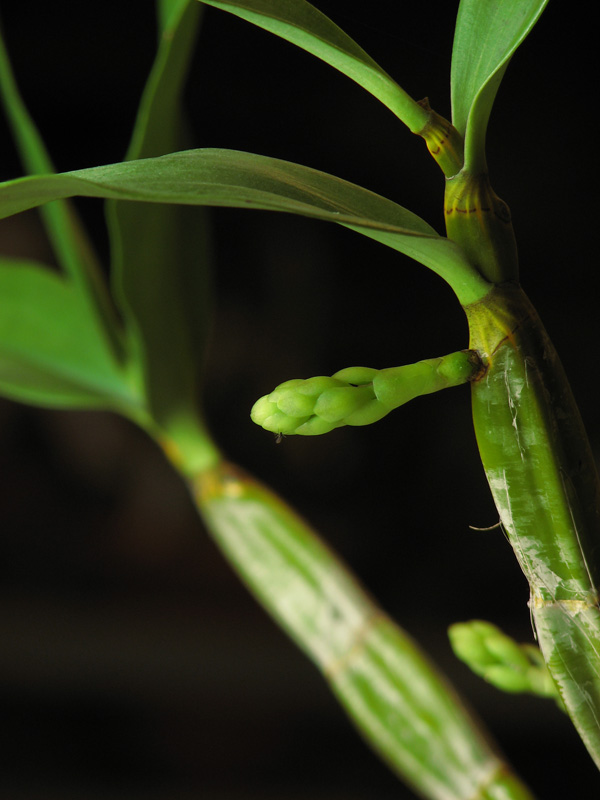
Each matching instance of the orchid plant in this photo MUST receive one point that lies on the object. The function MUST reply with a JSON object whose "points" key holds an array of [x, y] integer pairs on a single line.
{"points": [[135, 347]]}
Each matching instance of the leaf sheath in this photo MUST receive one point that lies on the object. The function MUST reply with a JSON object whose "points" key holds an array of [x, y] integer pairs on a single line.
{"points": [[543, 478]]}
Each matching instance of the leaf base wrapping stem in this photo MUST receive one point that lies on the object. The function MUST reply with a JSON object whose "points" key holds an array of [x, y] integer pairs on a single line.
{"points": [[480, 222], [543, 478]]}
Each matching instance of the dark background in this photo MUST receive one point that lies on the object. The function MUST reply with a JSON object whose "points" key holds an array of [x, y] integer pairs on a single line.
{"points": [[133, 663]]}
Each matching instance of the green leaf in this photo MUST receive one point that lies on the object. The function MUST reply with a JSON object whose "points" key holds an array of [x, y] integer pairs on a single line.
{"points": [[244, 180], [486, 36], [50, 352], [67, 236], [159, 252], [302, 24]]}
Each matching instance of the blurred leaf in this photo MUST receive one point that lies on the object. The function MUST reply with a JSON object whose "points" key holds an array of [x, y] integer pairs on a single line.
{"points": [[50, 352], [486, 36], [159, 252], [159, 119], [167, 11], [302, 24], [65, 232], [245, 180]]}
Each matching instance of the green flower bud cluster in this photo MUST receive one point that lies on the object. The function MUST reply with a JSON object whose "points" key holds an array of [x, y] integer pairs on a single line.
{"points": [[318, 405], [499, 660], [357, 395]]}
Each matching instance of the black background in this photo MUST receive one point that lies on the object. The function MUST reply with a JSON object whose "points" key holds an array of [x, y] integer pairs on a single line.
{"points": [[133, 663]]}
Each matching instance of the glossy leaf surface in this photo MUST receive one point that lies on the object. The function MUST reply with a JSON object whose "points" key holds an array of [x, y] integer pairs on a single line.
{"points": [[302, 24], [487, 34], [50, 352], [543, 477], [243, 180]]}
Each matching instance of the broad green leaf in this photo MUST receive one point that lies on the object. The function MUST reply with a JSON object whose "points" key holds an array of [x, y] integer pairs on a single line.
{"points": [[244, 180], [67, 236], [159, 252], [487, 34], [50, 353], [302, 24]]}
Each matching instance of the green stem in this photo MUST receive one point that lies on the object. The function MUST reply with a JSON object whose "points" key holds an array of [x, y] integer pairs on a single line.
{"points": [[393, 694], [543, 478], [186, 443]]}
